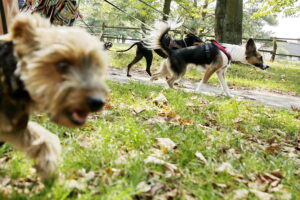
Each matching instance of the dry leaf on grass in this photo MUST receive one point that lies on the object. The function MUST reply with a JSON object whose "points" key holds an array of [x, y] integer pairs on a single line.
{"points": [[143, 187], [75, 184], [154, 160], [261, 195], [86, 176], [227, 168], [281, 192], [155, 120], [114, 172], [221, 185], [171, 167], [167, 113], [273, 149], [185, 122], [138, 110], [240, 194], [166, 196], [201, 157], [160, 100], [231, 153], [165, 144], [190, 104]]}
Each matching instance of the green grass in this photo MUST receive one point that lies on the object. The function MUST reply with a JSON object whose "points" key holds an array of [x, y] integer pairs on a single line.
{"points": [[121, 138], [282, 77]]}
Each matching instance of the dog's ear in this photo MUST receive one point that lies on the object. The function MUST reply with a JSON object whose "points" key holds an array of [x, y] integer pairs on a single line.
{"points": [[250, 47], [23, 31]]}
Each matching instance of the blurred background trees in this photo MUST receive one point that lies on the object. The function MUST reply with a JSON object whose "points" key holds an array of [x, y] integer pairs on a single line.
{"points": [[199, 16]]}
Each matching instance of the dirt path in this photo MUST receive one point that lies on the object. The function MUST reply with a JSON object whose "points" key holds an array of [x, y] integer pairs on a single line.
{"points": [[266, 98]]}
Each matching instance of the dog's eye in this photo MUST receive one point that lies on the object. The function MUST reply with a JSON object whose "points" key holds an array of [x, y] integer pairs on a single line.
{"points": [[63, 66]]}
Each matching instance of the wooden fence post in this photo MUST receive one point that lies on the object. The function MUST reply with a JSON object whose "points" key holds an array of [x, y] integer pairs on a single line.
{"points": [[274, 50], [103, 29]]}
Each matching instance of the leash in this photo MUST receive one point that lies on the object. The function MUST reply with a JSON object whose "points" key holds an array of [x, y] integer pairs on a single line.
{"points": [[3, 18], [116, 7], [162, 13]]}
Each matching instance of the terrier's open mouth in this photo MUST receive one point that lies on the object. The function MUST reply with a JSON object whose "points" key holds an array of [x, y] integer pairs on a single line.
{"points": [[78, 117]]}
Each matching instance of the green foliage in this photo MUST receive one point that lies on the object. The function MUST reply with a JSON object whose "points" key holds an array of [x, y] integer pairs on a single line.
{"points": [[198, 16], [274, 7]]}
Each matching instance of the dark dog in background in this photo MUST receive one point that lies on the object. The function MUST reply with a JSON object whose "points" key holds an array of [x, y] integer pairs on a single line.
{"points": [[107, 45], [142, 51]]}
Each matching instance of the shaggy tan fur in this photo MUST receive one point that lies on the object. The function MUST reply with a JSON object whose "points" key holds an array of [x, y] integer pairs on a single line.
{"points": [[60, 67]]}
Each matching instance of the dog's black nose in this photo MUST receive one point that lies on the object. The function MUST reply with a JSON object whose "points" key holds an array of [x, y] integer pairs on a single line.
{"points": [[95, 103]]}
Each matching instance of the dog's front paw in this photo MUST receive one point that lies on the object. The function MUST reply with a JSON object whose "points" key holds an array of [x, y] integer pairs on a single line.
{"points": [[46, 152]]}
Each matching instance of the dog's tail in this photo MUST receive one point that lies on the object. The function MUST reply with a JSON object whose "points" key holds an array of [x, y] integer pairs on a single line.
{"points": [[121, 51], [155, 40]]}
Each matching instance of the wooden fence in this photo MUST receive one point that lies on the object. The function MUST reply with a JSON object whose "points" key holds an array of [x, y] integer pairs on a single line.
{"points": [[274, 40]]}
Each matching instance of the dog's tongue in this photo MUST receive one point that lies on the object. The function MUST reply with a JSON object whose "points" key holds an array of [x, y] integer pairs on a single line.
{"points": [[80, 116]]}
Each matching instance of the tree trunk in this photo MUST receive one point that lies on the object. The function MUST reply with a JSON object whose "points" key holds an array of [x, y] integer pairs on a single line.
{"points": [[229, 17], [166, 9]]}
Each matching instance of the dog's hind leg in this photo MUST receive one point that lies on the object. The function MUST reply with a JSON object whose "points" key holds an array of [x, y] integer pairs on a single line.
{"points": [[209, 72], [136, 59], [172, 80], [175, 76], [39, 144], [149, 58], [163, 71], [221, 76]]}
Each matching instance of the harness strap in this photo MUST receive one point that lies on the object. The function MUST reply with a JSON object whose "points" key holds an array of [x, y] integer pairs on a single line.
{"points": [[222, 49], [3, 18]]}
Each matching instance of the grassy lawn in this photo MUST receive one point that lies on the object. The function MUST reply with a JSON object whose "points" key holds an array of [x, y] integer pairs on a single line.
{"points": [[282, 77], [225, 148]]}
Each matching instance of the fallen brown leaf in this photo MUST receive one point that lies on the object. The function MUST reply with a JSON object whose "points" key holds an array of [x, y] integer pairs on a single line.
{"points": [[273, 149]]}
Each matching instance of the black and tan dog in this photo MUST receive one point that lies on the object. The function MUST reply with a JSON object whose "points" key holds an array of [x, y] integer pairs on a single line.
{"points": [[43, 68], [142, 51], [208, 56]]}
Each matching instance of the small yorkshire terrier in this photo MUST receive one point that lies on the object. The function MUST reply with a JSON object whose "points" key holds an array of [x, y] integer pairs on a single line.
{"points": [[51, 69]]}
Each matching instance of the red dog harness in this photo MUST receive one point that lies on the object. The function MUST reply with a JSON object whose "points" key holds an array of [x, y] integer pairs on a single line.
{"points": [[222, 49]]}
